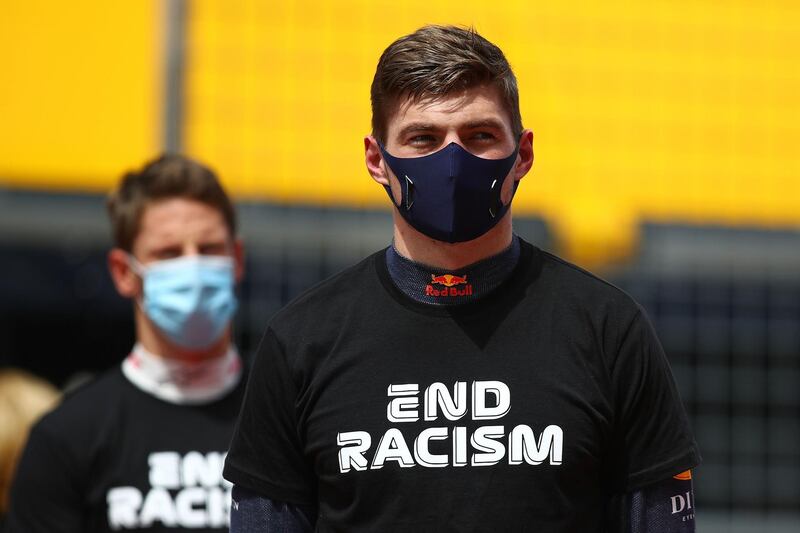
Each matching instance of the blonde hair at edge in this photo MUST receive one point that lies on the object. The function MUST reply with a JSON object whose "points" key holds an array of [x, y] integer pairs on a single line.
{"points": [[23, 399]]}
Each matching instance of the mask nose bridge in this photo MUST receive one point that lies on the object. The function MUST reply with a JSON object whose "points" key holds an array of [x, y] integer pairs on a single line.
{"points": [[453, 150], [192, 272], [136, 267]]}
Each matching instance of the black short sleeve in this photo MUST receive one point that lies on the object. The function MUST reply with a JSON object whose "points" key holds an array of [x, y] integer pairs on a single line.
{"points": [[654, 439], [44, 498], [266, 451]]}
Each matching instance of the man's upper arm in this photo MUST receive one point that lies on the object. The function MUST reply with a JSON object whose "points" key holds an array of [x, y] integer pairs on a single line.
{"points": [[266, 453], [44, 496], [653, 439]]}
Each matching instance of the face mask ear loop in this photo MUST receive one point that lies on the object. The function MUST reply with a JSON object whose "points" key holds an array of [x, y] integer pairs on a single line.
{"points": [[406, 185], [134, 264], [138, 269]]}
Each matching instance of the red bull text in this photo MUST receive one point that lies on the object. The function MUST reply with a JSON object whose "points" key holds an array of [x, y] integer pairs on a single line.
{"points": [[449, 287]]}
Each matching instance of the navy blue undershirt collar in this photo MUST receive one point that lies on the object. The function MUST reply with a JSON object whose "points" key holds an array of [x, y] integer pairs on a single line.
{"points": [[436, 286]]}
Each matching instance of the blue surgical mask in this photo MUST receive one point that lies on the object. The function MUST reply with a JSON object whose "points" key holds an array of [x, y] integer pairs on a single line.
{"points": [[451, 195], [190, 299]]}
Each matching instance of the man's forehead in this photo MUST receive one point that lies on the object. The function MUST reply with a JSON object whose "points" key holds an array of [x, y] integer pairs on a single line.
{"points": [[476, 103], [179, 216]]}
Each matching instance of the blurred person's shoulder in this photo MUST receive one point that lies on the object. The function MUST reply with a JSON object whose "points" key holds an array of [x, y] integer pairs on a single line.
{"points": [[88, 406]]}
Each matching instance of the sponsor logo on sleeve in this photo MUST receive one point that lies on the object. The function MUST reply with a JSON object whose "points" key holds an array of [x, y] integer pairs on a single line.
{"points": [[683, 504]]}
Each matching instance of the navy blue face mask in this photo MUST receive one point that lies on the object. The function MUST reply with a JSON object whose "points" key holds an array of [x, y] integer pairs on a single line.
{"points": [[451, 195]]}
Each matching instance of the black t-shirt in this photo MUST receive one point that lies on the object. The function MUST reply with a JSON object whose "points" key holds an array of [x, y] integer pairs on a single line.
{"points": [[524, 411], [113, 458]]}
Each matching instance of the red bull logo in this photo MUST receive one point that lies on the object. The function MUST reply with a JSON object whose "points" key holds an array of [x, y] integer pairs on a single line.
{"points": [[449, 280], [449, 287]]}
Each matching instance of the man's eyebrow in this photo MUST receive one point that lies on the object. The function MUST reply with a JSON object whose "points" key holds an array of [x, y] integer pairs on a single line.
{"points": [[484, 123], [416, 126]]}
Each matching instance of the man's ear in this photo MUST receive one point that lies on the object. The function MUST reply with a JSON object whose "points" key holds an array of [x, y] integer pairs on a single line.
{"points": [[378, 168], [374, 160], [525, 159], [238, 259], [125, 279]]}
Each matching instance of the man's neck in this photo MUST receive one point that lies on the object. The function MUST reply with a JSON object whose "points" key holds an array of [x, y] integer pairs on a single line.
{"points": [[179, 382], [419, 248], [429, 285]]}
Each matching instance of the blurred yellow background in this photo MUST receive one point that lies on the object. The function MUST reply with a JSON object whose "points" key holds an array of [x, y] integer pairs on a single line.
{"points": [[669, 111], [80, 91]]}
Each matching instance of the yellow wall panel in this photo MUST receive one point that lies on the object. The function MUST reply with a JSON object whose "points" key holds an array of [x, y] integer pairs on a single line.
{"points": [[80, 91], [683, 111], [674, 111]]}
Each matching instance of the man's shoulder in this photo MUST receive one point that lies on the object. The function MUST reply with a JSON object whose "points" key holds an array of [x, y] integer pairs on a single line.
{"points": [[574, 283], [87, 406]]}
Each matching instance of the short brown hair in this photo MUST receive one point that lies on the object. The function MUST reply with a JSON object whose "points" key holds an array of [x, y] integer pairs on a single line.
{"points": [[435, 61], [169, 176]]}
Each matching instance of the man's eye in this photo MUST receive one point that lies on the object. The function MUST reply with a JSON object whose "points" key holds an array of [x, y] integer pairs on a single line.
{"points": [[168, 253], [212, 249], [419, 140], [483, 136]]}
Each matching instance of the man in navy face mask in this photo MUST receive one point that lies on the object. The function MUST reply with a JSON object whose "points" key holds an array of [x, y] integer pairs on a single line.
{"points": [[142, 447], [461, 379], [451, 165]]}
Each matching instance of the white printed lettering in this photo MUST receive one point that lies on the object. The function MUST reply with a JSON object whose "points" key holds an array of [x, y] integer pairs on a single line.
{"points": [[480, 409], [678, 504], [185, 491], [158, 506], [421, 451], [405, 405], [165, 469], [522, 445], [483, 441], [490, 400], [203, 470], [352, 455], [224, 482], [218, 508], [439, 395], [123, 507], [188, 508], [392, 447], [459, 446]]}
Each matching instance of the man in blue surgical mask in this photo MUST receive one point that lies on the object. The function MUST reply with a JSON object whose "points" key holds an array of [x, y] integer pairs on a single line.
{"points": [[142, 447], [461, 379]]}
